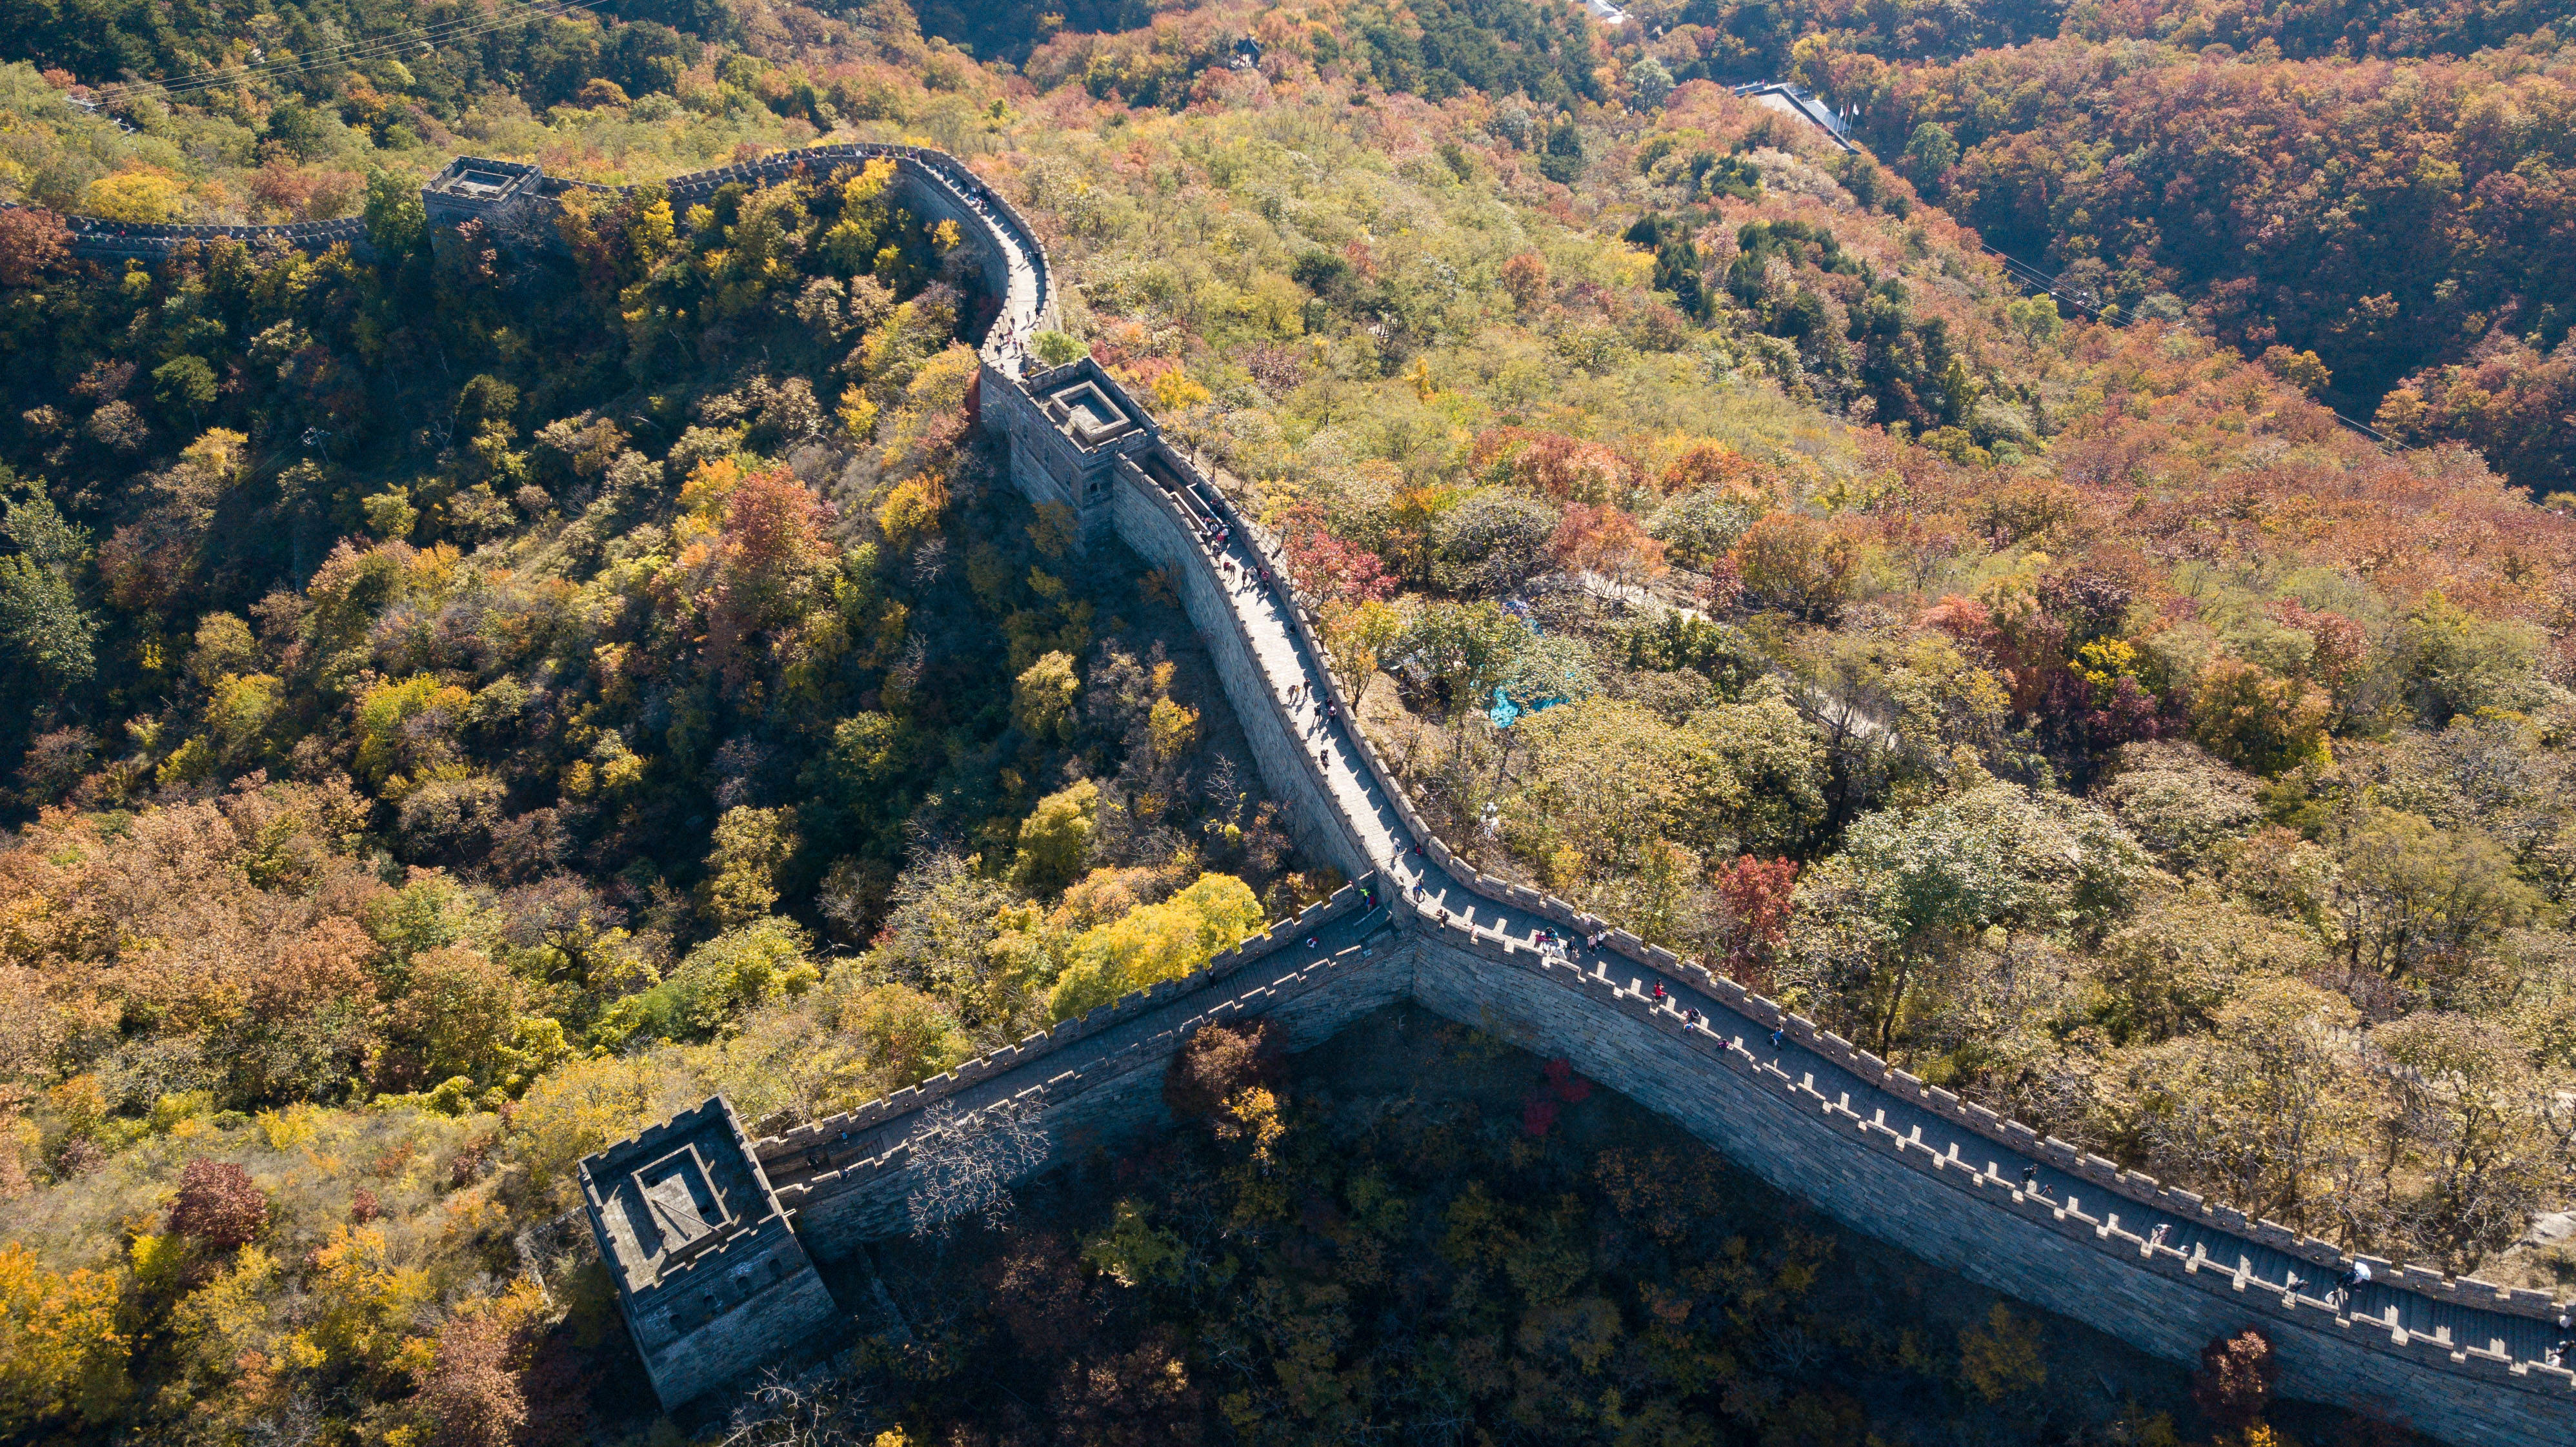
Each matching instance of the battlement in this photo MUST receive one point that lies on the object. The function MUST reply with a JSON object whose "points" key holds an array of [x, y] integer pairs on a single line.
{"points": [[811, 1160], [695, 1229], [709, 1277], [517, 203]]}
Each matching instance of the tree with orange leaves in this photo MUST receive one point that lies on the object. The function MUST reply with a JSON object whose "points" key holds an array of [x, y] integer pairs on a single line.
{"points": [[32, 243], [1711, 467], [1558, 467], [1606, 541], [769, 558], [1758, 895], [1794, 564], [1525, 277]]}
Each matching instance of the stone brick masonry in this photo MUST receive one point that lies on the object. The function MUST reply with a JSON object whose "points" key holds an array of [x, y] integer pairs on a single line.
{"points": [[1875, 1148], [708, 1273]]}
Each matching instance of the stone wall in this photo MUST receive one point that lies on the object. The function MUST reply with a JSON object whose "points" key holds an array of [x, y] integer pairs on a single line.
{"points": [[771, 1319], [930, 183], [1874, 1147], [1848, 1133], [1150, 522], [2070, 1255], [1855, 1142], [150, 241], [1095, 1081]]}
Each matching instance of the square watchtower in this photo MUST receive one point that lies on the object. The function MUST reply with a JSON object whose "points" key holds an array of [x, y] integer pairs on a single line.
{"points": [[516, 203], [474, 189], [709, 1276], [1069, 426]]}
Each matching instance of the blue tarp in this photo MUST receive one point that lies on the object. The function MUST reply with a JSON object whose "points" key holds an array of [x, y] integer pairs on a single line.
{"points": [[1505, 713]]}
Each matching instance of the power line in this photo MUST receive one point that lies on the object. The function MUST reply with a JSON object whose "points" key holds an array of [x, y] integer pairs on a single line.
{"points": [[2033, 277], [424, 37]]}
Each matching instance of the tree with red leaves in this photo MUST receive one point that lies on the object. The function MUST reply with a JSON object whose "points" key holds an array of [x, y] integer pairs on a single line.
{"points": [[1331, 569], [219, 1205], [470, 1390], [1758, 895], [773, 529], [1558, 1087], [1525, 277]]}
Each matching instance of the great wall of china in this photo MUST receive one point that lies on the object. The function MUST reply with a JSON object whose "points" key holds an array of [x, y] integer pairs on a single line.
{"points": [[708, 1231]]}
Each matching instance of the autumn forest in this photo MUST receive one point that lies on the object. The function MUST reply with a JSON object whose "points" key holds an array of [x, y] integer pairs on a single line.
{"points": [[461, 704]]}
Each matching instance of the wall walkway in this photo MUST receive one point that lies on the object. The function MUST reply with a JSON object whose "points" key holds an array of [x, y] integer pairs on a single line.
{"points": [[1875, 1147], [1878, 1149]]}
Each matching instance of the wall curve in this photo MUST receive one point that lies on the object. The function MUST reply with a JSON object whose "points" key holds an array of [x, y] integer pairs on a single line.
{"points": [[1875, 1147], [519, 202]]}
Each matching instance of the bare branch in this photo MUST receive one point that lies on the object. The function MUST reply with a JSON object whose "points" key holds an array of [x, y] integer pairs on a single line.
{"points": [[963, 1163]]}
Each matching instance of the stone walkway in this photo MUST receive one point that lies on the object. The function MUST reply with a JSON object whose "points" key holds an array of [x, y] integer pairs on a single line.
{"points": [[1294, 678], [1344, 941], [1288, 666]]}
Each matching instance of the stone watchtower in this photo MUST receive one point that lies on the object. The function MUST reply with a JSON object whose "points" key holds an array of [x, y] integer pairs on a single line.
{"points": [[513, 201], [1067, 448], [708, 1274]]}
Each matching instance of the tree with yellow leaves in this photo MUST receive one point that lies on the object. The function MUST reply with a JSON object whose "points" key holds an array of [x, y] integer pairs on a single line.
{"points": [[1155, 943], [751, 846], [1175, 729], [365, 1305], [147, 196], [2002, 1358], [61, 1351]]}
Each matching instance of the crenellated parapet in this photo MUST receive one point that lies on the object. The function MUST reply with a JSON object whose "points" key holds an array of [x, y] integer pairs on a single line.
{"points": [[517, 203], [1817, 1116], [105, 240], [1871, 1145], [807, 1159]]}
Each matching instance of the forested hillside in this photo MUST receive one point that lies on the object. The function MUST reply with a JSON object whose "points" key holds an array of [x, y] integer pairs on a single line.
{"points": [[1983, 729], [459, 707], [2384, 187]]}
